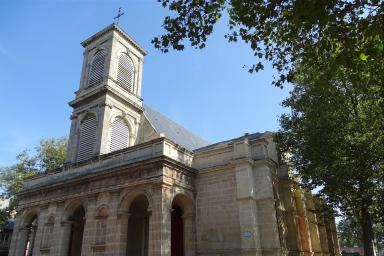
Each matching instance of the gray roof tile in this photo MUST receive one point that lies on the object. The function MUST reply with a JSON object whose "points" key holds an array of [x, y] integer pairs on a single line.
{"points": [[173, 130]]}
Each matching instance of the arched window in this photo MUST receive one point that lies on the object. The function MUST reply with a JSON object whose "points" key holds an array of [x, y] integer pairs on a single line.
{"points": [[87, 138], [97, 68], [125, 72], [119, 135]]}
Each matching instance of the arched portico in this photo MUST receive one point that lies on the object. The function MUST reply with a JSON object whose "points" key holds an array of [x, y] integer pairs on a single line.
{"points": [[182, 226], [27, 233], [133, 218], [73, 222]]}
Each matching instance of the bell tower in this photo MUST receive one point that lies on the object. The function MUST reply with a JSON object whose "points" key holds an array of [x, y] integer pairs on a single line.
{"points": [[108, 107]]}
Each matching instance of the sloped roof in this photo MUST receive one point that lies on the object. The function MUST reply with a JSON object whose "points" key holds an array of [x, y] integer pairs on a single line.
{"points": [[173, 130]]}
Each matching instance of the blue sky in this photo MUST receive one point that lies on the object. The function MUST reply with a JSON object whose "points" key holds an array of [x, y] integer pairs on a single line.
{"points": [[208, 91]]}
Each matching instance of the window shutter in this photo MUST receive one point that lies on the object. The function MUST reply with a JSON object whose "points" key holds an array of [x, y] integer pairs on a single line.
{"points": [[125, 73], [97, 68], [119, 135], [87, 139]]}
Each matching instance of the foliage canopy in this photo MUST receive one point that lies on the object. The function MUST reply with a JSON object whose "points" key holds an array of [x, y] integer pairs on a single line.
{"points": [[50, 154], [283, 32]]}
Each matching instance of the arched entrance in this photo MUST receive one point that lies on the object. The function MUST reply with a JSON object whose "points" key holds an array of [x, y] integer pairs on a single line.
{"points": [[77, 230], [177, 231], [138, 227], [31, 235]]}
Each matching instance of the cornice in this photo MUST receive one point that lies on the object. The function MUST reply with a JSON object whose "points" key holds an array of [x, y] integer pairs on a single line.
{"points": [[100, 91], [114, 27]]}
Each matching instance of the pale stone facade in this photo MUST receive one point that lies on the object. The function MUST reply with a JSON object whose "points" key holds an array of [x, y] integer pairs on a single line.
{"points": [[160, 190]]}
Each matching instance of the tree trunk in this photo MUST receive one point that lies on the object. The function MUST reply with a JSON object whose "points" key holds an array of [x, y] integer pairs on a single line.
{"points": [[368, 236]]}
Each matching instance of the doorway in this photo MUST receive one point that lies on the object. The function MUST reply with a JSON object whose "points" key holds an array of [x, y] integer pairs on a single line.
{"points": [[138, 227], [177, 231], [77, 230]]}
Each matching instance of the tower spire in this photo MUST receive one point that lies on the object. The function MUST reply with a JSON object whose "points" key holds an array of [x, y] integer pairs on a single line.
{"points": [[119, 14]]}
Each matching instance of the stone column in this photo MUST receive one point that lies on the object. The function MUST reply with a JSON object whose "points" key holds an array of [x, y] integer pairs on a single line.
{"points": [[189, 234], [115, 225], [266, 208], [312, 221], [42, 219], [15, 235], [247, 207], [336, 245], [89, 231], [160, 223], [121, 232], [322, 235], [303, 228], [55, 239], [21, 242], [65, 236]]}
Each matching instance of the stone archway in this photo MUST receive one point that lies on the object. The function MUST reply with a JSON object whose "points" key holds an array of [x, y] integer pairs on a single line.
{"points": [[31, 228], [25, 238], [182, 226], [77, 220], [138, 227], [177, 231]]}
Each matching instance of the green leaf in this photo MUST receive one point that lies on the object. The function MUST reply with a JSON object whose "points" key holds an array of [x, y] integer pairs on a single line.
{"points": [[380, 46], [363, 57]]}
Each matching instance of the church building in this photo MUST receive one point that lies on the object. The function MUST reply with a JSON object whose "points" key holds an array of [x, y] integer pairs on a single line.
{"points": [[136, 183]]}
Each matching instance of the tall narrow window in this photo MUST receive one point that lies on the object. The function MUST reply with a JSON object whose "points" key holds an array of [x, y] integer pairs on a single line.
{"points": [[125, 72], [97, 68], [119, 135], [87, 138]]}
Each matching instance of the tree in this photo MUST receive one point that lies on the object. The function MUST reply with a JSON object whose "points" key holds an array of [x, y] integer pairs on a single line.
{"points": [[349, 233], [334, 137], [282, 32], [332, 52], [50, 154]]}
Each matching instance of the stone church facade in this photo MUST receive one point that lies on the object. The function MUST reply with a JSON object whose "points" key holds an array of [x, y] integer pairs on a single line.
{"points": [[137, 183]]}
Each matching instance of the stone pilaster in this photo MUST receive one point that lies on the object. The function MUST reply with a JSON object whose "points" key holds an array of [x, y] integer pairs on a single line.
{"points": [[266, 208], [15, 237], [160, 222], [21, 241], [42, 219], [302, 223], [323, 235], [189, 234], [115, 224], [65, 235], [89, 227], [248, 218], [122, 233], [313, 228]]}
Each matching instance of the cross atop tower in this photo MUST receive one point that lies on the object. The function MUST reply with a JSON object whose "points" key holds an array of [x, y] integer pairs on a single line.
{"points": [[119, 14]]}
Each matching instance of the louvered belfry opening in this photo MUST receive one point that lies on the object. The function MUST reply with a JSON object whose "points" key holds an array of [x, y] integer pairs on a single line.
{"points": [[97, 68], [87, 139], [125, 73], [119, 135]]}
